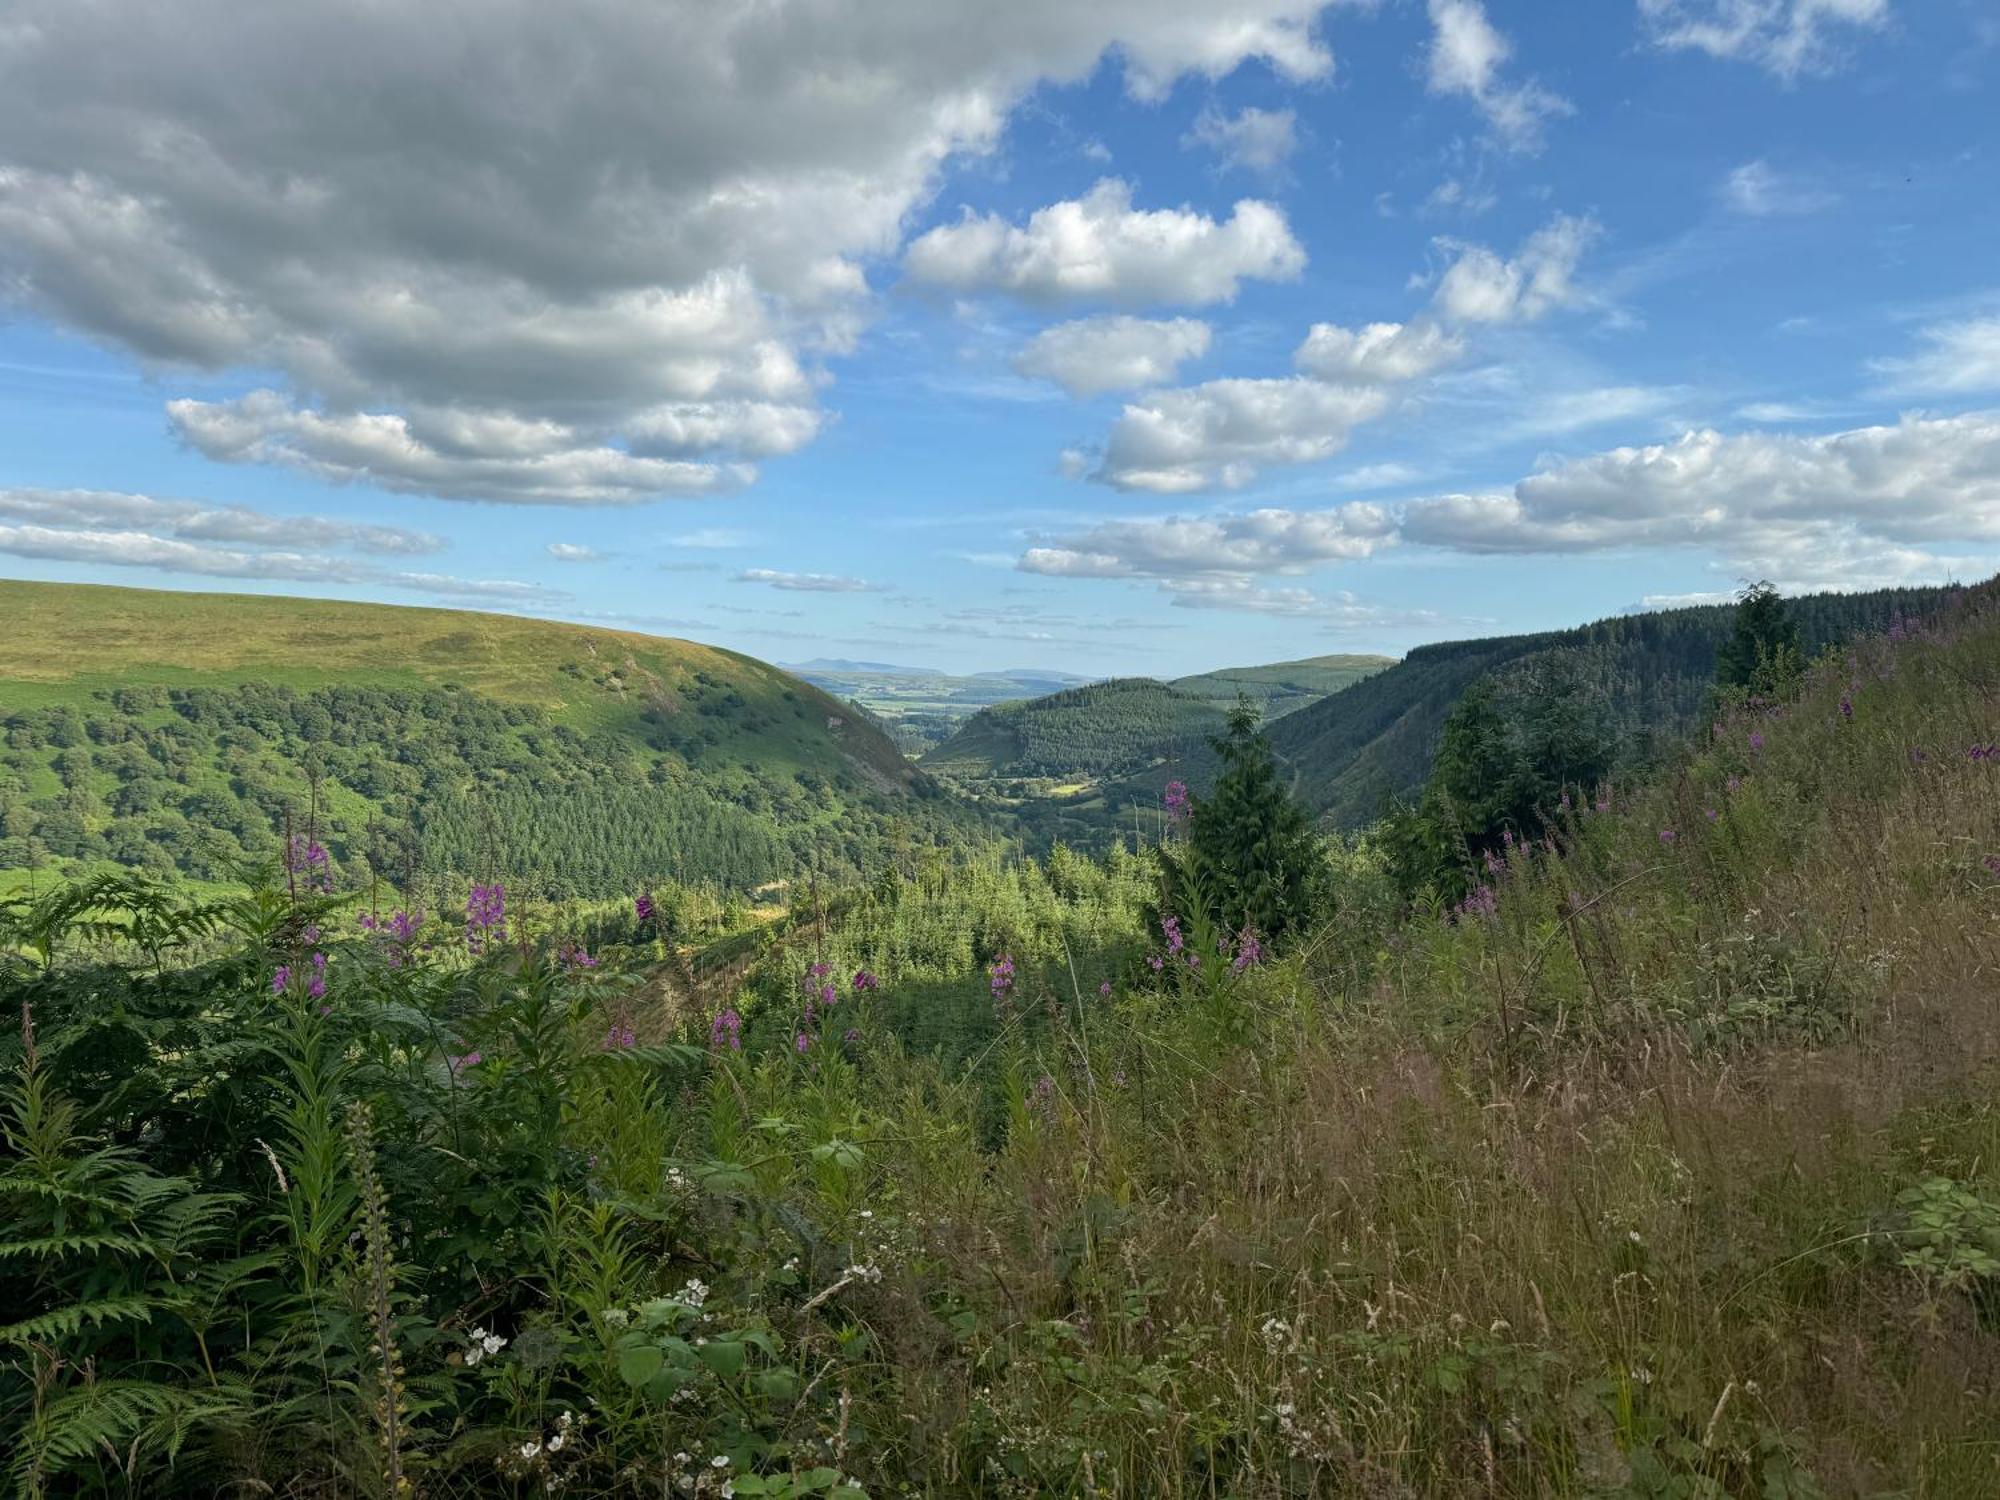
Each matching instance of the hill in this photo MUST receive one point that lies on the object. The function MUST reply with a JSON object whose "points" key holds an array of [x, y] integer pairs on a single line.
{"points": [[1282, 687], [1112, 728], [187, 731], [1361, 747], [919, 708]]}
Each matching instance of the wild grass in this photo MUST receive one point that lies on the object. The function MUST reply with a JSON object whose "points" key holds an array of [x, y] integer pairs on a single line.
{"points": [[1668, 1168]]}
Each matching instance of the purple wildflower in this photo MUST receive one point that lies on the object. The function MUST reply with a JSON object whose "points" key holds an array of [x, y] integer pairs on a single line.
{"points": [[316, 984], [457, 1065], [1846, 706], [1156, 962], [801, 1044], [485, 917], [1481, 903], [1733, 785], [865, 981], [851, 1035], [1248, 952], [1710, 813], [1992, 863], [727, 1032], [828, 994], [574, 955], [1667, 835], [1171, 926], [1756, 741], [643, 909], [1104, 988], [1000, 977], [1177, 800], [619, 1036], [281, 979]]}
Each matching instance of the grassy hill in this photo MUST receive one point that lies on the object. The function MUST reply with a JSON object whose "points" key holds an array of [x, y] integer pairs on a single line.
{"points": [[181, 731], [1282, 687], [920, 709]]}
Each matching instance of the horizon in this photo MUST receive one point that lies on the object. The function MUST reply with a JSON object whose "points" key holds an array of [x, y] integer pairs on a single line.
{"points": [[1124, 342]]}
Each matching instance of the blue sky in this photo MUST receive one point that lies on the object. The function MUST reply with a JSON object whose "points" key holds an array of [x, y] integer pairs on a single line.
{"points": [[1149, 336]]}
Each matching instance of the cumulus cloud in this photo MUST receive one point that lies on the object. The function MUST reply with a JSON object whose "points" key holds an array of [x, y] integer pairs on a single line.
{"points": [[1226, 545], [514, 463], [1222, 431], [105, 510], [631, 227], [1481, 286], [1258, 140], [1758, 189], [1467, 56], [1868, 504], [574, 552], [1379, 354], [808, 583], [1958, 356], [1100, 248], [1789, 37], [1093, 355]]}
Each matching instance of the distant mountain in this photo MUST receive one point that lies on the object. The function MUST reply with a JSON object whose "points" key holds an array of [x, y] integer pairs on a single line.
{"points": [[1037, 674], [188, 731], [842, 664]]}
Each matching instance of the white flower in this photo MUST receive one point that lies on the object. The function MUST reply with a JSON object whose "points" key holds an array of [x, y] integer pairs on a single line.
{"points": [[694, 1293], [555, 1442], [492, 1343], [530, 1449], [720, 1461]]}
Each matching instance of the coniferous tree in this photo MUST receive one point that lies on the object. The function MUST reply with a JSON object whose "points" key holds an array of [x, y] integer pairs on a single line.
{"points": [[1762, 652], [1249, 848]]}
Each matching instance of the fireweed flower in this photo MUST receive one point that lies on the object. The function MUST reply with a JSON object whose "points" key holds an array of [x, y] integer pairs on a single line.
{"points": [[1733, 785], [1156, 962], [485, 917], [1248, 952], [1171, 926], [1710, 813], [457, 1065], [307, 861], [727, 1032], [1104, 988], [1756, 741], [1846, 706], [619, 1036], [801, 1044], [573, 955], [316, 981], [642, 908], [1481, 903], [1176, 799], [1992, 863], [864, 981], [828, 994], [1667, 835], [1000, 977], [281, 979]]}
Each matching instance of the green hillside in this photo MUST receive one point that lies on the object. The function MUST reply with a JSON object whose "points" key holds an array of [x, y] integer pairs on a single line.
{"points": [[1111, 728], [1282, 687], [1353, 752], [178, 731]]}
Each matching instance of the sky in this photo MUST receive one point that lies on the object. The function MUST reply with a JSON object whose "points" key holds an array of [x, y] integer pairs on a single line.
{"points": [[1143, 336]]}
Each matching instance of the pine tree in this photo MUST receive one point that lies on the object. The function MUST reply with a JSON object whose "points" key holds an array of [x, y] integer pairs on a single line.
{"points": [[1249, 847], [1762, 653]]}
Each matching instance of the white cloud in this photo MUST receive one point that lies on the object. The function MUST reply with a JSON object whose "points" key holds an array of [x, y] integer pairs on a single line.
{"points": [[631, 227], [809, 583], [1481, 287], [1962, 356], [1467, 56], [574, 552], [390, 450], [1379, 354], [1098, 247], [141, 549], [719, 538], [1259, 140], [1789, 37], [1226, 545], [1757, 189], [1220, 432], [189, 520], [1854, 507], [1093, 355]]}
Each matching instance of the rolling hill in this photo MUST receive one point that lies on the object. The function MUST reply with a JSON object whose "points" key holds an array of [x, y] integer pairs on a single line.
{"points": [[1121, 726], [187, 731], [920, 708], [1283, 687]]}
